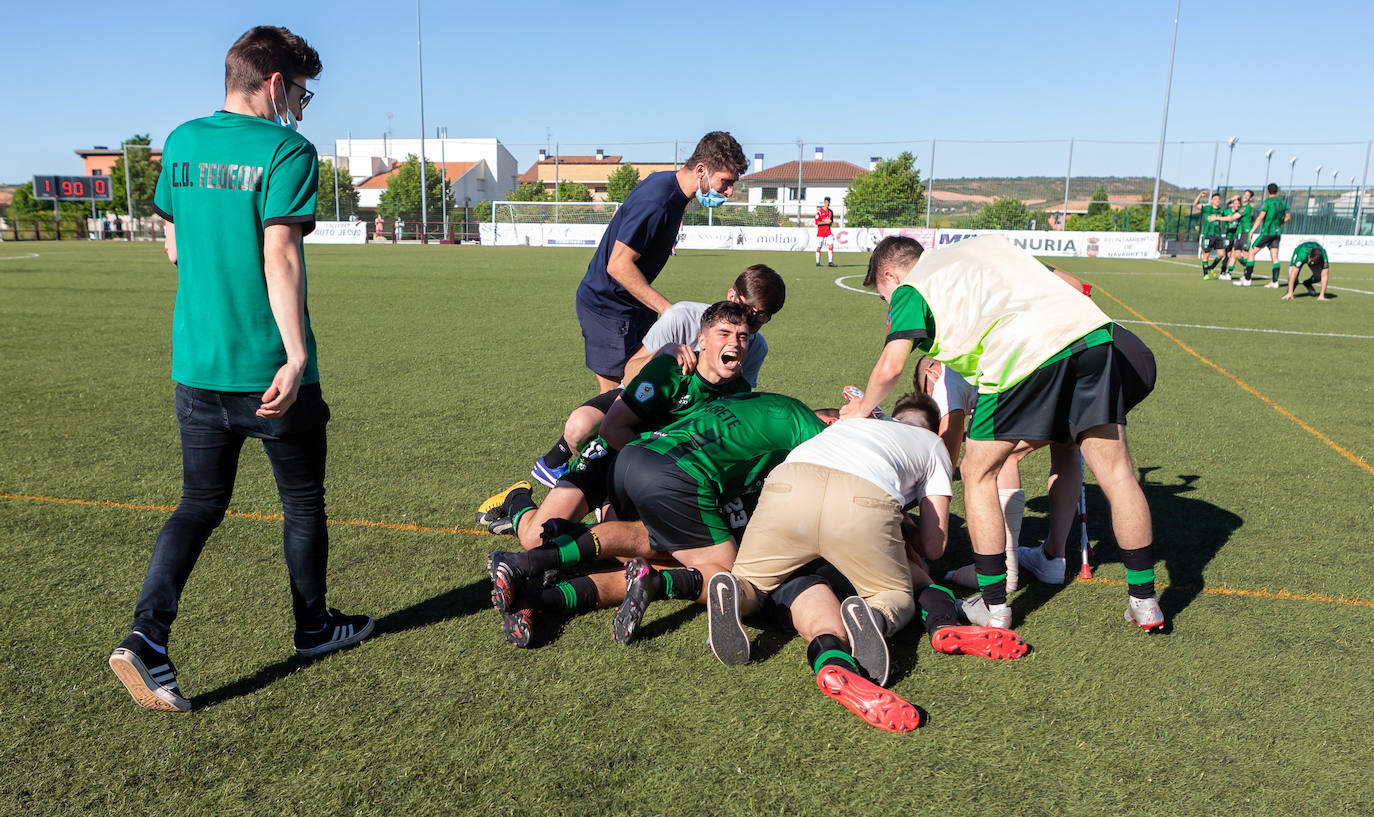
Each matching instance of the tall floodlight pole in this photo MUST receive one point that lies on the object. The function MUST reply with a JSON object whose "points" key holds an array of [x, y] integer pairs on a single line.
{"points": [[1292, 163], [930, 182], [1164, 124], [1067, 172], [336, 186], [1268, 155], [1212, 181], [420, 67], [799, 184], [442, 133], [1230, 153], [1364, 182]]}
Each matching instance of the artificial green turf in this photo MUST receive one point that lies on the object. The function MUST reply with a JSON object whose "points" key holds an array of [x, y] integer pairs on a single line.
{"points": [[449, 369]]}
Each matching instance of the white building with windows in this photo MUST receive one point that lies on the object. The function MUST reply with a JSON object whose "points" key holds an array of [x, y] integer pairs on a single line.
{"points": [[477, 169], [777, 186]]}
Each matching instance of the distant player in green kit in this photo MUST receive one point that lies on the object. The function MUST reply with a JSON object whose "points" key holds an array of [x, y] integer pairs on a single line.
{"points": [[1313, 255], [1273, 215], [1239, 222], [237, 192], [1212, 228]]}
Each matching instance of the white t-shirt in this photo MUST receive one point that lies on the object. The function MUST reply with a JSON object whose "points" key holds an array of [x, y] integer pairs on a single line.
{"points": [[952, 392], [682, 324], [907, 462]]}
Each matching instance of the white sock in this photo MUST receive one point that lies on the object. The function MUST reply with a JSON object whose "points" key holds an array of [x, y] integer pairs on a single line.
{"points": [[1013, 509]]}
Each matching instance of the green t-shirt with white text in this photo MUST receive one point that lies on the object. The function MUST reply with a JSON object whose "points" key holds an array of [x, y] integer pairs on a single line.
{"points": [[225, 178], [1273, 211], [661, 393]]}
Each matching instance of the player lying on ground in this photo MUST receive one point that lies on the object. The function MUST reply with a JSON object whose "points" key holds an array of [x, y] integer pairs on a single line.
{"points": [[758, 287], [1314, 256], [666, 389], [682, 484], [840, 496], [1042, 359]]}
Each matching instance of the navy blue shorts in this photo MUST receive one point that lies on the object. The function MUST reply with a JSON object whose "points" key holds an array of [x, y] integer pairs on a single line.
{"points": [[611, 342]]}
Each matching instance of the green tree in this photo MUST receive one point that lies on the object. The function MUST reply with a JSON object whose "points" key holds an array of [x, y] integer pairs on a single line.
{"points": [[573, 191], [144, 172], [620, 183], [1098, 203], [481, 211], [348, 195], [529, 191], [890, 195], [402, 194], [1003, 213]]}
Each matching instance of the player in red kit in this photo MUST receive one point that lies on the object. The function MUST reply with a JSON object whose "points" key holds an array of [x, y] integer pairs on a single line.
{"points": [[824, 240]]}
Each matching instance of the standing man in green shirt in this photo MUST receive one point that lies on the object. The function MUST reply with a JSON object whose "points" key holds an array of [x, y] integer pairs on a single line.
{"points": [[1047, 370], [1238, 223], [237, 192], [1212, 238], [1273, 215]]}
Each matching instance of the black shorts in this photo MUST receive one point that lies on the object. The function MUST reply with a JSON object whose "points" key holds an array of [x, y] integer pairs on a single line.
{"points": [[602, 402], [1213, 242], [1270, 242], [1058, 402], [678, 512], [1236, 243], [593, 477], [610, 342]]}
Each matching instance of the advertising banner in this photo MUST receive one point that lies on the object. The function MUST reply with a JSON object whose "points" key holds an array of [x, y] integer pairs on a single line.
{"points": [[1342, 249], [1067, 244], [338, 232]]}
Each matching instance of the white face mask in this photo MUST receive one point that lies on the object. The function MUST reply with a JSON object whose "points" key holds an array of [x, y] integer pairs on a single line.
{"points": [[286, 119]]}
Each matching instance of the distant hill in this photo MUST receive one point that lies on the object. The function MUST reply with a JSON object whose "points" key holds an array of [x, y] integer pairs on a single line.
{"points": [[1051, 188]]}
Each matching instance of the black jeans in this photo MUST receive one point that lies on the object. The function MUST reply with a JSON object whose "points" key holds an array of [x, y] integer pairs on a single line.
{"points": [[213, 426]]}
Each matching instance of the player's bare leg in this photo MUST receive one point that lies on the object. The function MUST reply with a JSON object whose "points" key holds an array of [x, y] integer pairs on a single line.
{"points": [[1322, 296], [983, 459], [644, 583], [1105, 452], [582, 425], [605, 384]]}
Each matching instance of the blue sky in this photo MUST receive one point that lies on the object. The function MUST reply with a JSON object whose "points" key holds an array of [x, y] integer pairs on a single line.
{"points": [[861, 79]]}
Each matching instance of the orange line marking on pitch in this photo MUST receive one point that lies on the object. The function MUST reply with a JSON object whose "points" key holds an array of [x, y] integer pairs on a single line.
{"points": [[268, 517], [1335, 446], [1221, 590]]}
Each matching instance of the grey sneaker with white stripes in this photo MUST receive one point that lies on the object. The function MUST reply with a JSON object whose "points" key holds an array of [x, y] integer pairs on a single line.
{"points": [[340, 631], [148, 675]]}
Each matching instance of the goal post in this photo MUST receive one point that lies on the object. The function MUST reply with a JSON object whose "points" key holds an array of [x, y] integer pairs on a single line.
{"points": [[552, 212]]}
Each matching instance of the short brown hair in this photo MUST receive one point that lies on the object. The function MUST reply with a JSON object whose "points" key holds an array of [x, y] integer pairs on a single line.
{"points": [[264, 51], [1316, 259], [761, 288], [724, 312], [918, 409], [893, 251], [718, 150]]}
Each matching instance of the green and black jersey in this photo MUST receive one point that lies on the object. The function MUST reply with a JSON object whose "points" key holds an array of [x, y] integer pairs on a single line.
{"points": [[1231, 227], [225, 179], [1247, 218], [1304, 249], [1209, 227], [729, 445], [909, 318], [661, 393], [1272, 213]]}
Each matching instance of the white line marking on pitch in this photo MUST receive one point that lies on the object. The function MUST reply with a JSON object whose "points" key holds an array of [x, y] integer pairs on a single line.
{"points": [[839, 282], [1341, 289], [1250, 329], [18, 257]]}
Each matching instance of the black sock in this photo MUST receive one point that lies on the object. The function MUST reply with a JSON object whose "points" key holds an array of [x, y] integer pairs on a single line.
{"points": [[1140, 571], [681, 583], [937, 608], [569, 549], [517, 503], [1249, 270], [573, 596], [558, 455], [1274, 274], [1212, 265], [991, 570], [828, 650]]}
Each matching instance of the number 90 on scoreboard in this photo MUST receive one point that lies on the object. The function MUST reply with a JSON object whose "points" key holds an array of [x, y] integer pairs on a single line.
{"points": [[72, 188]]}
